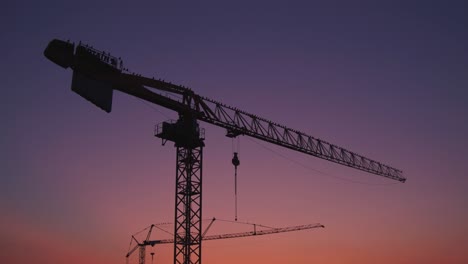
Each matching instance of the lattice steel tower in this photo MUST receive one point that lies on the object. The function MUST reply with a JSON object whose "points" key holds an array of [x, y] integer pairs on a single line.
{"points": [[188, 139]]}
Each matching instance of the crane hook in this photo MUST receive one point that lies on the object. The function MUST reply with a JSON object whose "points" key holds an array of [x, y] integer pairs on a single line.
{"points": [[235, 162]]}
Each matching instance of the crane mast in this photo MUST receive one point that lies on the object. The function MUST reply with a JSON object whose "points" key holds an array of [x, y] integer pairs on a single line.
{"points": [[97, 74]]}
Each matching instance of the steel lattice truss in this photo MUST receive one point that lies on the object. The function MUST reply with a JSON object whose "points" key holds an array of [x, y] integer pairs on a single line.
{"points": [[235, 235], [188, 215], [242, 123]]}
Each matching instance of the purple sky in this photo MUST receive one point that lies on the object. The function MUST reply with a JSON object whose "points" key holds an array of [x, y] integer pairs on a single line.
{"points": [[387, 80]]}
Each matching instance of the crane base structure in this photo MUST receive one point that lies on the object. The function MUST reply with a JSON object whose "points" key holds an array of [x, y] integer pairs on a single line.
{"points": [[189, 142]]}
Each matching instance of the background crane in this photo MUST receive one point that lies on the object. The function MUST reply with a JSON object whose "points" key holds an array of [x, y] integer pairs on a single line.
{"points": [[96, 74], [142, 245], [142, 253]]}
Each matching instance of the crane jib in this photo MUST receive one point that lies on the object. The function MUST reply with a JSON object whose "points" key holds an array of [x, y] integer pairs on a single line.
{"points": [[93, 70]]}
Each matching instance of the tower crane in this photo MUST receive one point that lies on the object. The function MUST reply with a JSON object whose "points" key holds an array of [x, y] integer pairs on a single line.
{"points": [[96, 74], [142, 246]]}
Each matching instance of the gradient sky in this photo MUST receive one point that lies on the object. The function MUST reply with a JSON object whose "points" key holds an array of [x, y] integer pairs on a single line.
{"points": [[386, 79]]}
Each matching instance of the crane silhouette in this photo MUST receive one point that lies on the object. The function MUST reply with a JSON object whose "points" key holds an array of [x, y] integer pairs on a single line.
{"points": [[97, 74], [147, 242]]}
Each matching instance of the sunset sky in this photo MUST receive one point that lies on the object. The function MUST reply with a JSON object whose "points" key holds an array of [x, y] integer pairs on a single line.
{"points": [[386, 79]]}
